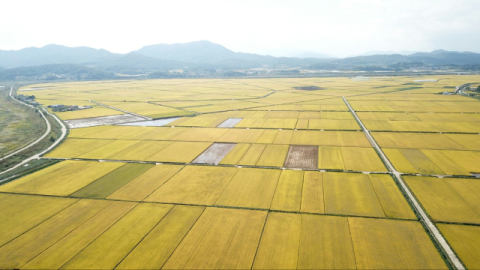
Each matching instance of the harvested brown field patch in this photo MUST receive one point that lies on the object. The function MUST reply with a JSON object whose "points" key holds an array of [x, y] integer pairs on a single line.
{"points": [[303, 157]]}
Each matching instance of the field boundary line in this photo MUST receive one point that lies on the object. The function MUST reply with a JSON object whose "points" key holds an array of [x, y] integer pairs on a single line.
{"points": [[440, 176], [183, 238], [223, 190], [351, 239], [117, 109], [162, 184], [67, 234], [219, 165], [261, 237], [181, 109], [376, 195], [215, 206], [40, 223], [142, 237], [432, 229], [95, 237]]}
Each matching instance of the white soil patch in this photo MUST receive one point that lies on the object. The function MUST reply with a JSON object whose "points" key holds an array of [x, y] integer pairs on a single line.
{"points": [[100, 121]]}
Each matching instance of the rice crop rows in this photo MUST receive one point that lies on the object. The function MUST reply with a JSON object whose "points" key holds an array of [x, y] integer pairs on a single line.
{"points": [[251, 173]]}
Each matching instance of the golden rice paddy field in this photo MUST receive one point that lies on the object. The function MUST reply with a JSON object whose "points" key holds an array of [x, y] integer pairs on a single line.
{"points": [[448, 199], [96, 111], [103, 234], [355, 194], [251, 174]]}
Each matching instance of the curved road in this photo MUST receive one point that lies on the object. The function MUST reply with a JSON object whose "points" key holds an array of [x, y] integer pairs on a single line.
{"points": [[49, 128]]}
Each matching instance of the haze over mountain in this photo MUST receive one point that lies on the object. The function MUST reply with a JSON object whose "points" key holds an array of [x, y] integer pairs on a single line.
{"points": [[194, 52], [52, 54], [309, 54], [205, 55], [387, 52], [337, 28]]}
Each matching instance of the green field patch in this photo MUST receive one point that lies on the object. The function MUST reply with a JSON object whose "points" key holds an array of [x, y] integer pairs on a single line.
{"points": [[111, 182]]}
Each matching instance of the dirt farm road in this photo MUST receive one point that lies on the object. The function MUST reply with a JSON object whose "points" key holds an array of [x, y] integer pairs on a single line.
{"points": [[117, 109], [451, 256], [49, 128]]}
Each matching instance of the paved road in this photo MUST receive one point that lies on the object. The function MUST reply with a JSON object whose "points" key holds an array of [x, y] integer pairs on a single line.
{"points": [[451, 256], [49, 128], [36, 156], [459, 89]]}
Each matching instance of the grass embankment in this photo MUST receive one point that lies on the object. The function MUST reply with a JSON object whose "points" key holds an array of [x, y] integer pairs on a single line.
{"points": [[19, 126]]}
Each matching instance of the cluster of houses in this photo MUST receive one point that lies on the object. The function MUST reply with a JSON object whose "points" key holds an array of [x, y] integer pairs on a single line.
{"points": [[28, 99], [56, 108], [66, 108]]}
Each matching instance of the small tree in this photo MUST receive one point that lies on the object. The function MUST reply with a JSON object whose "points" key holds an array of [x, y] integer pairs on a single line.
{"points": [[478, 88]]}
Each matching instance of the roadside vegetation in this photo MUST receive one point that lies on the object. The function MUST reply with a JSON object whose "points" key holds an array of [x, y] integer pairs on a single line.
{"points": [[19, 126]]}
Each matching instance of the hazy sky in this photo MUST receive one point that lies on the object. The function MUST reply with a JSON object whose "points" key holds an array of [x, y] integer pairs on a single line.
{"points": [[336, 27]]}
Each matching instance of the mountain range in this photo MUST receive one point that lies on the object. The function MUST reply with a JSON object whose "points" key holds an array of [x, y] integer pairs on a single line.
{"points": [[205, 55], [387, 52]]}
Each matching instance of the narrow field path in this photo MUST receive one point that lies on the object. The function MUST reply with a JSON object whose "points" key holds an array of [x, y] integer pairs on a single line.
{"points": [[447, 250], [117, 109]]}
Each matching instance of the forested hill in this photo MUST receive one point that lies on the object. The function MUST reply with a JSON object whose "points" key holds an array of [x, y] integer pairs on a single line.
{"points": [[201, 56]]}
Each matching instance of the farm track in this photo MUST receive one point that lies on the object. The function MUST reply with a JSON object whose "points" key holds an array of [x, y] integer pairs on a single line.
{"points": [[211, 206], [162, 105], [49, 128], [432, 229], [218, 165], [37, 156], [263, 167], [117, 109]]}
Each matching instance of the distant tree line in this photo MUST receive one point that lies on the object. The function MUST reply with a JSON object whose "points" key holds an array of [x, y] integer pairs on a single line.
{"points": [[55, 72], [165, 74]]}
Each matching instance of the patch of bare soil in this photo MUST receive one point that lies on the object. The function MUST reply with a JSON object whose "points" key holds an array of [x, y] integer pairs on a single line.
{"points": [[309, 88], [302, 157]]}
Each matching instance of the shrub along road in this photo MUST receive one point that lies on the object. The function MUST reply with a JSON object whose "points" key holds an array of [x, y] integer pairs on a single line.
{"points": [[47, 132]]}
